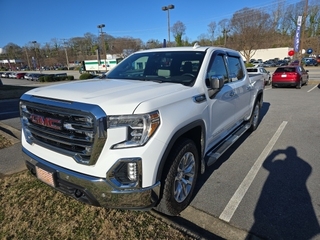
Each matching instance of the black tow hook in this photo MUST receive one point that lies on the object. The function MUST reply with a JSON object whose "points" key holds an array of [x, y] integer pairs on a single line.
{"points": [[78, 193]]}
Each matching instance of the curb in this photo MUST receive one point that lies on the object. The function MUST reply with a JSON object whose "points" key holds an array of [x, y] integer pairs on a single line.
{"points": [[10, 133]]}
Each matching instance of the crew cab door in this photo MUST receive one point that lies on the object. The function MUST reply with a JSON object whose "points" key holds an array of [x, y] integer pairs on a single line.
{"points": [[239, 82], [221, 106]]}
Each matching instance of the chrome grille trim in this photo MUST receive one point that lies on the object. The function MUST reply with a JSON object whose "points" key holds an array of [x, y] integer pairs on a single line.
{"points": [[74, 129]]}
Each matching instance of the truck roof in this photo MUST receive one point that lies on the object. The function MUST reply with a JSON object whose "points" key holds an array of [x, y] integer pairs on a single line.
{"points": [[196, 47]]}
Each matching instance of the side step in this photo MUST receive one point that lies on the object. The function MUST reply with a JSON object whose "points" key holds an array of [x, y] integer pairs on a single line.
{"points": [[217, 151]]}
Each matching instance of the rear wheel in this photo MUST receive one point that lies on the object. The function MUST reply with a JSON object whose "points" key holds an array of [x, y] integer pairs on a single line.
{"points": [[299, 84], [254, 120], [179, 178]]}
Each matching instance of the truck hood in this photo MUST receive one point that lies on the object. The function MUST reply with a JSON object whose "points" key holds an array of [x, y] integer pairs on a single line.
{"points": [[114, 95]]}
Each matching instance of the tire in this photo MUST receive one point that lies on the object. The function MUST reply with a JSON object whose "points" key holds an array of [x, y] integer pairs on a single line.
{"points": [[255, 116], [179, 178], [299, 84]]}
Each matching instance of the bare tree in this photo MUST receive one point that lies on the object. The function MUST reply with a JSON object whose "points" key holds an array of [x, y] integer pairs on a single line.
{"points": [[203, 40], [313, 21], [178, 30], [249, 30], [211, 28]]}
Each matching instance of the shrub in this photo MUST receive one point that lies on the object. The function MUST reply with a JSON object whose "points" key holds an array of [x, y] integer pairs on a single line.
{"points": [[86, 76], [249, 65], [71, 77], [41, 79], [49, 78]]}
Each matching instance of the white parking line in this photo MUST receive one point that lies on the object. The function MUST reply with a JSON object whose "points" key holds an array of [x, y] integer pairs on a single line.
{"points": [[234, 202], [313, 88]]}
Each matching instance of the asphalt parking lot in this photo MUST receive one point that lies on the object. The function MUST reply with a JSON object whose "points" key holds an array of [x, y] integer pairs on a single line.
{"points": [[268, 183]]}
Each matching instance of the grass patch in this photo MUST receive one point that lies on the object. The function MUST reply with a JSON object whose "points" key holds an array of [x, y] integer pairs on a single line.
{"points": [[32, 210], [4, 143], [9, 91]]}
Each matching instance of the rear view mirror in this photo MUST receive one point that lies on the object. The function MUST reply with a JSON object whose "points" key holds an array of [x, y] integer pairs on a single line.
{"points": [[216, 83]]}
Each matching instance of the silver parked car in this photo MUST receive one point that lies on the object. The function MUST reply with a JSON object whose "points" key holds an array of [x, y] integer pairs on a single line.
{"points": [[266, 74]]}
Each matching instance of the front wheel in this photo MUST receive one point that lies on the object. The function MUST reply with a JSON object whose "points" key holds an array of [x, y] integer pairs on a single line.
{"points": [[179, 178]]}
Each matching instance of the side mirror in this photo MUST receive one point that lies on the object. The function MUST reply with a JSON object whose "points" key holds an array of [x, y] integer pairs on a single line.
{"points": [[216, 83]]}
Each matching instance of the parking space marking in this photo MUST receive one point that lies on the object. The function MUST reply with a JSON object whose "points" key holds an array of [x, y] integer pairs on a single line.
{"points": [[313, 88], [237, 197]]}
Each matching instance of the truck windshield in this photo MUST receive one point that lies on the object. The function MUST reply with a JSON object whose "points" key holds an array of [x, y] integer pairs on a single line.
{"points": [[172, 66]]}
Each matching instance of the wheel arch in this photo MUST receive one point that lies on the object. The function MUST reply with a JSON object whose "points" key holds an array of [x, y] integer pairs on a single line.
{"points": [[260, 97], [194, 131]]}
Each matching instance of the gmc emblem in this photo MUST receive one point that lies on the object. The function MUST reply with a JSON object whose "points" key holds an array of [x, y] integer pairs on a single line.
{"points": [[46, 121]]}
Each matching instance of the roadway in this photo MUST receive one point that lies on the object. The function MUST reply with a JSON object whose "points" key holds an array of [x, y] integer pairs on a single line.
{"points": [[268, 182]]}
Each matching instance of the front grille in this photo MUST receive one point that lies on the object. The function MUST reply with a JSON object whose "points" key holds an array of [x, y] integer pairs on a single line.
{"points": [[73, 129]]}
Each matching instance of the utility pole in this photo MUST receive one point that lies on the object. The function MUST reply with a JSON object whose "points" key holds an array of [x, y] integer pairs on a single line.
{"points": [[27, 58], [303, 27], [225, 31]]}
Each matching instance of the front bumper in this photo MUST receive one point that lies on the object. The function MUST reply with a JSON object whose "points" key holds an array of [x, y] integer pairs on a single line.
{"points": [[92, 190]]}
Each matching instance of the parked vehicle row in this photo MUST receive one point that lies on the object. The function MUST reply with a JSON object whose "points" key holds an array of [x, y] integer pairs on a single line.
{"points": [[17, 75], [27, 76], [293, 75]]}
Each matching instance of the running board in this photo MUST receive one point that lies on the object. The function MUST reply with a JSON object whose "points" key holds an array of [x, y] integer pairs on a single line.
{"points": [[216, 152]]}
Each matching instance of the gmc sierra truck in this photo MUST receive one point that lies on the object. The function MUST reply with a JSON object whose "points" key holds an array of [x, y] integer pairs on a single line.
{"points": [[140, 137]]}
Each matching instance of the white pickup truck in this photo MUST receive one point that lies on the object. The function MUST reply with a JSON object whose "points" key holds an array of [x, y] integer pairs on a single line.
{"points": [[139, 138]]}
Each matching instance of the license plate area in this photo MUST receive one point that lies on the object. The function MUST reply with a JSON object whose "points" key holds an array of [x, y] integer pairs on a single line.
{"points": [[284, 75], [46, 175]]}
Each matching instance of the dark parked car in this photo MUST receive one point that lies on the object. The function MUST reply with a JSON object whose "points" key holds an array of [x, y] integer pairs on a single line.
{"points": [[36, 76], [282, 63], [28, 76], [295, 63], [290, 76], [310, 62]]}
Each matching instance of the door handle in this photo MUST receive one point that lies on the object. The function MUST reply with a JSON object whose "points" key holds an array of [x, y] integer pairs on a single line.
{"points": [[249, 87]]}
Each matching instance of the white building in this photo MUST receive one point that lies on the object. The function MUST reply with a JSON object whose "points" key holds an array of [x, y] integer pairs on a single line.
{"points": [[270, 53]]}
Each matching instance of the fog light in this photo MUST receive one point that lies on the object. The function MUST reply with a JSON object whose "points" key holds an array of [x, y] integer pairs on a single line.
{"points": [[132, 171], [126, 173]]}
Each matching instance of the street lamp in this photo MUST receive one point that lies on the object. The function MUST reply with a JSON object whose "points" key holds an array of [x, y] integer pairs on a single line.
{"points": [[35, 59], [101, 26], [66, 52], [167, 8]]}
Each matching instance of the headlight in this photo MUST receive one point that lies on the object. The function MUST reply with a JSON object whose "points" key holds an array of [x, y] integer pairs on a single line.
{"points": [[139, 128]]}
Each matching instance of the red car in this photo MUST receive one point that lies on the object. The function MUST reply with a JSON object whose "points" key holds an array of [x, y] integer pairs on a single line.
{"points": [[290, 76], [20, 75]]}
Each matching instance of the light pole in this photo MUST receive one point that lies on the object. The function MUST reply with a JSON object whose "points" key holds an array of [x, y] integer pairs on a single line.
{"points": [[66, 51], [35, 52], [101, 26], [167, 8]]}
